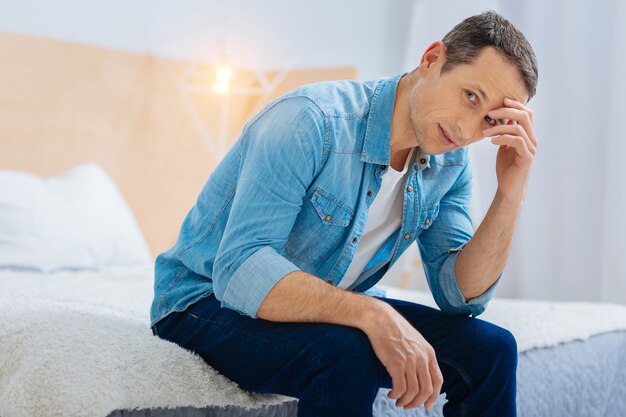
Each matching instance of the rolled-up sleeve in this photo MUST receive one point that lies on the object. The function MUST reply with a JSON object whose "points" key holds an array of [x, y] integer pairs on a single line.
{"points": [[281, 151], [441, 244], [456, 302]]}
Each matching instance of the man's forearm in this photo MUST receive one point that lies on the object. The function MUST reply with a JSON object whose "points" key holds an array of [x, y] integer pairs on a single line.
{"points": [[301, 297], [482, 260]]}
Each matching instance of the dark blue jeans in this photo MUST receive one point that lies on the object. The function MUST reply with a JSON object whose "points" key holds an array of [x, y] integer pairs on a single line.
{"points": [[332, 369]]}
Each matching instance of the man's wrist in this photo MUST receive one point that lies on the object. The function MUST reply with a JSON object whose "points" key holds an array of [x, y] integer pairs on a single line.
{"points": [[373, 312], [513, 201]]}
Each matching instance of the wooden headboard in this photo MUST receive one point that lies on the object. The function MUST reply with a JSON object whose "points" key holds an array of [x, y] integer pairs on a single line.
{"points": [[64, 104]]}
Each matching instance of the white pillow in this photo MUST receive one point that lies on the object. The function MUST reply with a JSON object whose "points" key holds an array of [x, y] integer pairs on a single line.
{"points": [[77, 220]]}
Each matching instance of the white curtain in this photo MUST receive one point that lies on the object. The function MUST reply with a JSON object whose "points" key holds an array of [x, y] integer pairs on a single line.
{"points": [[570, 242]]}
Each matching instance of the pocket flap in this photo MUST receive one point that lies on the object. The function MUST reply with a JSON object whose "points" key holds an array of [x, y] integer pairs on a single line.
{"points": [[330, 209]]}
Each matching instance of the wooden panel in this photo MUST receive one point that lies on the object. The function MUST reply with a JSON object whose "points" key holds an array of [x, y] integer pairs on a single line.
{"points": [[65, 104]]}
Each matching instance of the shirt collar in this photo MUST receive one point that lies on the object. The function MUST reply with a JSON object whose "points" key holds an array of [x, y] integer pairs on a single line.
{"points": [[376, 146], [377, 143]]}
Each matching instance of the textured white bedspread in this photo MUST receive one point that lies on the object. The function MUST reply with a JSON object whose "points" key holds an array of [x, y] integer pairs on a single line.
{"points": [[78, 344], [537, 323]]}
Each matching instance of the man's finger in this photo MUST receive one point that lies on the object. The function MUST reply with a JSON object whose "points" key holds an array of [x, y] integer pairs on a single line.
{"points": [[425, 381], [437, 378], [512, 113], [518, 105], [515, 142], [412, 389], [398, 384], [513, 130], [518, 115]]}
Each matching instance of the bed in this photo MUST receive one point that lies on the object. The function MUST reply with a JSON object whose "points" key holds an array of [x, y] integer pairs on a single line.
{"points": [[75, 291]]}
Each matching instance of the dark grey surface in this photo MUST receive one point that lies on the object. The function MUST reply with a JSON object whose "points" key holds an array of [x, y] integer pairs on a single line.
{"points": [[287, 409], [575, 379]]}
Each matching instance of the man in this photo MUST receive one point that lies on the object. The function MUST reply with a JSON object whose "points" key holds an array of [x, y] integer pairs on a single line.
{"points": [[324, 190]]}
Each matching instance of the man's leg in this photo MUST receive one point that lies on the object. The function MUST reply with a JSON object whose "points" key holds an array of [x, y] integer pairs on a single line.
{"points": [[333, 370], [478, 360]]}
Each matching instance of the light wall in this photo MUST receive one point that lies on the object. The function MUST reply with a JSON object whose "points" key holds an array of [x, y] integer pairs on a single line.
{"points": [[367, 34]]}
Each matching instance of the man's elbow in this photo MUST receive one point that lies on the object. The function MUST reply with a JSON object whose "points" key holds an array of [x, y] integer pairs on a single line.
{"points": [[454, 307], [473, 310]]}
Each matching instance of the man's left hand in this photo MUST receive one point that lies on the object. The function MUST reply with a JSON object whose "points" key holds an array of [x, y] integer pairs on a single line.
{"points": [[518, 145]]}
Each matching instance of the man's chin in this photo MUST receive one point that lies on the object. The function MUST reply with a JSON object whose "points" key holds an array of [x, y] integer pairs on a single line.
{"points": [[438, 150], [429, 149]]}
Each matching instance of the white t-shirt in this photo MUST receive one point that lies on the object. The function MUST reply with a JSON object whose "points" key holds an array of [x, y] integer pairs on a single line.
{"points": [[383, 219]]}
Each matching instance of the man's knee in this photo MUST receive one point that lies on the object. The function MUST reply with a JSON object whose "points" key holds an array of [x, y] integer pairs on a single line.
{"points": [[504, 344], [496, 347]]}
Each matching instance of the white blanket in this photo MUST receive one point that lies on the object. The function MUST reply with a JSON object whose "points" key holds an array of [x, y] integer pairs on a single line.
{"points": [[78, 344], [537, 324]]}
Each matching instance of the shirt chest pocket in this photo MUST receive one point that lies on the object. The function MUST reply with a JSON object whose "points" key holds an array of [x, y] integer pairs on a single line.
{"points": [[320, 228]]}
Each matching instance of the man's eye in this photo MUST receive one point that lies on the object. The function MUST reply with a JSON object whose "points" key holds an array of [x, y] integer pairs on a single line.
{"points": [[471, 96], [491, 121]]}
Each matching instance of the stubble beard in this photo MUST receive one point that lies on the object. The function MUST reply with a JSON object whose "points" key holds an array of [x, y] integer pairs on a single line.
{"points": [[417, 129], [419, 133]]}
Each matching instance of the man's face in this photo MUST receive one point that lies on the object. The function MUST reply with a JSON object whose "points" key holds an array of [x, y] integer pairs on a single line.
{"points": [[448, 111]]}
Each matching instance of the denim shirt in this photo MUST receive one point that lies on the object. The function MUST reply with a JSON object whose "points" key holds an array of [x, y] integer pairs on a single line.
{"points": [[293, 193]]}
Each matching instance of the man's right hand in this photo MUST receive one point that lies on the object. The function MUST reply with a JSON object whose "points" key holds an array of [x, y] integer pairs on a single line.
{"points": [[409, 359], [407, 356]]}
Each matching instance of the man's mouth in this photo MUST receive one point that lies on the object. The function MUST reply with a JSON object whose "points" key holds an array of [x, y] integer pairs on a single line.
{"points": [[444, 137]]}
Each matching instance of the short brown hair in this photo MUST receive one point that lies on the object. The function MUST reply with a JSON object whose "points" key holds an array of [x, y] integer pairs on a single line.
{"points": [[465, 41]]}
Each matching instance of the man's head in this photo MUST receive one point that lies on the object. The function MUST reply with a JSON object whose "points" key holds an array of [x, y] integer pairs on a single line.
{"points": [[461, 78]]}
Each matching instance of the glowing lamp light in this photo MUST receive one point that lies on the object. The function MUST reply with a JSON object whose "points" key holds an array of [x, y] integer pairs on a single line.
{"points": [[222, 82]]}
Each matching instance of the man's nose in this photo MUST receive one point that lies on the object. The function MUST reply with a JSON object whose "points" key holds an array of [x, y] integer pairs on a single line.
{"points": [[470, 131]]}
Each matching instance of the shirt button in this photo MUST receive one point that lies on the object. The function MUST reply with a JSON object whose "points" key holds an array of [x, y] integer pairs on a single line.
{"points": [[327, 217], [407, 236], [427, 221], [409, 188], [369, 193], [423, 161], [354, 240]]}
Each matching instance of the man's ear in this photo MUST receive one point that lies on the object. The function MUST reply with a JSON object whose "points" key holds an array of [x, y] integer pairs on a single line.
{"points": [[434, 55]]}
